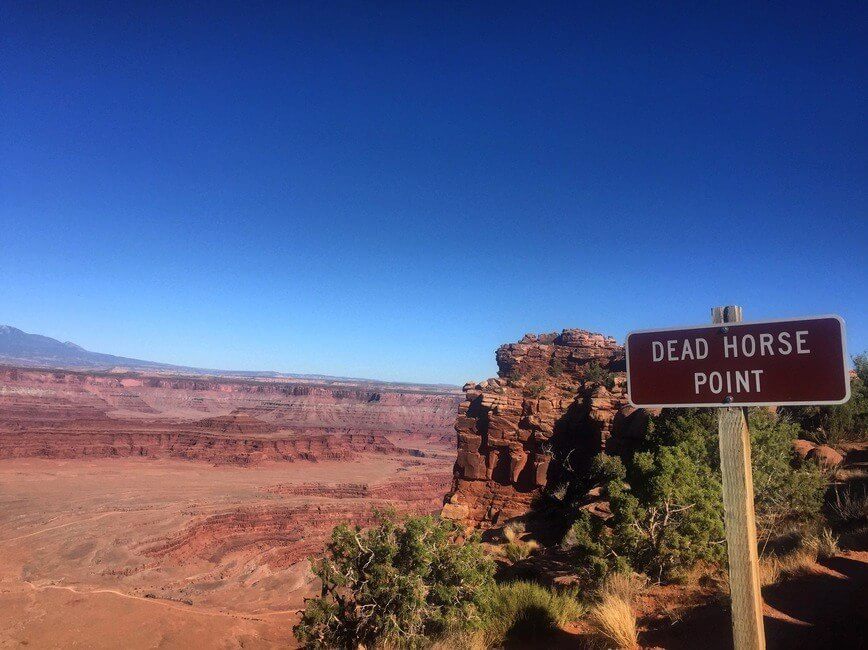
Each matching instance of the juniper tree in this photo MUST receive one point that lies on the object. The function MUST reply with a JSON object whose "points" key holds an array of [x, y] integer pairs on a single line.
{"points": [[398, 583]]}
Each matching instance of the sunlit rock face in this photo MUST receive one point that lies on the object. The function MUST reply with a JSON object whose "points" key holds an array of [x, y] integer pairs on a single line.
{"points": [[558, 400]]}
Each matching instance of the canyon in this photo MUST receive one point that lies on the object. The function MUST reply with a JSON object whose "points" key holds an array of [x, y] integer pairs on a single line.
{"points": [[147, 508], [186, 507]]}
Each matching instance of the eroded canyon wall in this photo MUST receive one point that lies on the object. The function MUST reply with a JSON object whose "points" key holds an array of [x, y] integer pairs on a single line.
{"points": [[559, 399], [68, 414]]}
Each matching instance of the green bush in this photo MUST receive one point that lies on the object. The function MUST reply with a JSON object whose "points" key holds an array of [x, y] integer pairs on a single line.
{"points": [[398, 583], [556, 368], [783, 495], [595, 374], [666, 501], [669, 517], [536, 386]]}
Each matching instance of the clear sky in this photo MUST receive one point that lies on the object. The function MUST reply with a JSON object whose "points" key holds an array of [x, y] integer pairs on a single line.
{"points": [[393, 189]]}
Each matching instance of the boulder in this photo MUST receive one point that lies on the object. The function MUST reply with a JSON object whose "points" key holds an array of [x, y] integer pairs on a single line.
{"points": [[825, 456], [801, 448]]}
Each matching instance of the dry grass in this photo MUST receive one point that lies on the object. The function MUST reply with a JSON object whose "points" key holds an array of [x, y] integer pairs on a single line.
{"points": [[513, 531], [850, 507], [613, 623], [800, 562], [769, 572], [525, 609], [517, 549], [797, 564], [824, 545], [624, 586]]}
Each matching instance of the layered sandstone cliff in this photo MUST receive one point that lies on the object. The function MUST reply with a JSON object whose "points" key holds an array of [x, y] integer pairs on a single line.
{"points": [[67, 414], [558, 400]]}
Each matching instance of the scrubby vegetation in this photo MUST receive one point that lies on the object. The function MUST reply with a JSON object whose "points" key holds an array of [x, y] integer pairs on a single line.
{"points": [[667, 512], [784, 495], [800, 559], [556, 368], [523, 609], [516, 548], [536, 386], [399, 583], [408, 583], [419, 582], [849, 507], [594, 373]]}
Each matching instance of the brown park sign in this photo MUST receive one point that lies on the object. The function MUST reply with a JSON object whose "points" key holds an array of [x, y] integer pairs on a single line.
{"points": [[800, 361]]}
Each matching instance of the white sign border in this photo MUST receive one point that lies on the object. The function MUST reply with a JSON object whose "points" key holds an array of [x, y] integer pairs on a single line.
{"points": [[720, 404]]}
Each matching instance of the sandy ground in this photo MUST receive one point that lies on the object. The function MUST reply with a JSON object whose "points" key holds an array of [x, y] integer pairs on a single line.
{"points": [[76, 561]]}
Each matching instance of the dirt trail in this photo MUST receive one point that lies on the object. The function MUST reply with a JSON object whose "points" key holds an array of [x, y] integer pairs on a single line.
{"points": [[69, 523], [187, 609]]}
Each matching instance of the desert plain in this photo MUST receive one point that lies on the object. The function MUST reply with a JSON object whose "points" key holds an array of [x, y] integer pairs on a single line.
{"points": [[146, 512]]}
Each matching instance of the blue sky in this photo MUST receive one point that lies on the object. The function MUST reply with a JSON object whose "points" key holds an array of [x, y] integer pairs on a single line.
{"points": [[391, 190]]}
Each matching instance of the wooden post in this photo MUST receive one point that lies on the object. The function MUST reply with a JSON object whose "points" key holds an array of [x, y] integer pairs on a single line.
{"points": [[741, 546]]}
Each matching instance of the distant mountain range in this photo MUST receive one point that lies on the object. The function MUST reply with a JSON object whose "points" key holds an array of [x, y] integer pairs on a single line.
{"points": [[18, 348]]}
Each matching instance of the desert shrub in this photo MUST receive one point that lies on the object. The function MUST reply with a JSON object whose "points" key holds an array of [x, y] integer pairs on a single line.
{"points": [[398, 583], [613, 622], [590, 542], [524, 608], [693, 430], [594, 373], [556, 368], [846, 422], [665, 517], [512, 375], [666, 501], [669, 516], [783, 494]]}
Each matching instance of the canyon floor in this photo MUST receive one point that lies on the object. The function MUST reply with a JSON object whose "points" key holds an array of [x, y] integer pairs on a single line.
{"points": [[148, 513]]}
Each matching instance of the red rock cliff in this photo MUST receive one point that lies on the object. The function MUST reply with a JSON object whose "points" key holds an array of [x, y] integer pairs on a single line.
{"points": [[558, 399]]}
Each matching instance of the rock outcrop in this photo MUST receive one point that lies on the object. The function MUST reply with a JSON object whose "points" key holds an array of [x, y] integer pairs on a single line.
{"points": [[558, 400]]}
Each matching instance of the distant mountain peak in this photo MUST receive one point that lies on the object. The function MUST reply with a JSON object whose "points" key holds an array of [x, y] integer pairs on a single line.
{"points": [[18, 348], [21, 348]]}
